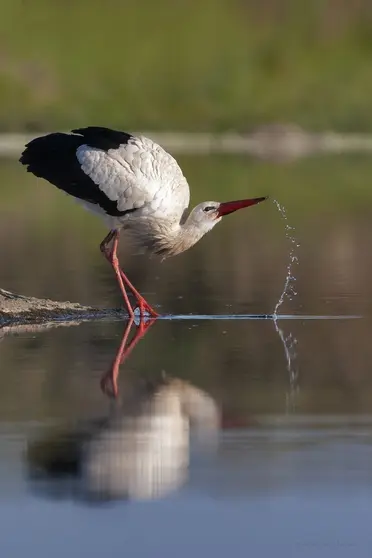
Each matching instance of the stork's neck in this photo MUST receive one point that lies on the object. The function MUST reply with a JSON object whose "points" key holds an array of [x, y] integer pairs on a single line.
{"points": [[181, 236], [169, 238]]}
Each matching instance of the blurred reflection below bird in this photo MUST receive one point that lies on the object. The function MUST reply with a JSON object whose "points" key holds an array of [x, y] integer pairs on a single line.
{"points": [[140, 451]]}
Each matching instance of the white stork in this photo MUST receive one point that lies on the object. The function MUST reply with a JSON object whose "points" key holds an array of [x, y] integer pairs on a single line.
{"points": [[134, 184]]}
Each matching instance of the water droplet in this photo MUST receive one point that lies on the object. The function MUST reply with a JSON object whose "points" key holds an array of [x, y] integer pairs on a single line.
{"points": [[288, 289]]}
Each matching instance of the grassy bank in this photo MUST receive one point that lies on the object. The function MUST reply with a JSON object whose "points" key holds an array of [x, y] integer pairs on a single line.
{"points": [[187, 65]]}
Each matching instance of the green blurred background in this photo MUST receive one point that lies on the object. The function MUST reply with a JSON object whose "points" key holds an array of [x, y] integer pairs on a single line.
{"points": [[201, 65]]}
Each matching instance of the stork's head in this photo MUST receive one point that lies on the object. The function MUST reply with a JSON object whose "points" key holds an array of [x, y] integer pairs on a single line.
{"points": [[201, 220], [207, 214]]}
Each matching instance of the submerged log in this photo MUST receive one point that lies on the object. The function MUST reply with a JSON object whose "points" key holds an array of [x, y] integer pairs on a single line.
{"points": [[16, 308]]}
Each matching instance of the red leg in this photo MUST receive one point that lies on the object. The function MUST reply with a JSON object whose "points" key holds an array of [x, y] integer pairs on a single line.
{"points": [[109, 381], [142, 304], [112, 257]]}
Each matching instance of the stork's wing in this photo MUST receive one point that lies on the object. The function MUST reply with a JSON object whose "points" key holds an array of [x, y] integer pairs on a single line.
{"points": [[137, 173]]}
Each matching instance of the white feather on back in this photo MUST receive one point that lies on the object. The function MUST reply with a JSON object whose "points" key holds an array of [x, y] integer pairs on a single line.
{"points": [[139, 175]]}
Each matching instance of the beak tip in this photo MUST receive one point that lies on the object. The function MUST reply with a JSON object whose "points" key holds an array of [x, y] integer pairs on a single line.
{"points": [[263, 198], [229, 207]]}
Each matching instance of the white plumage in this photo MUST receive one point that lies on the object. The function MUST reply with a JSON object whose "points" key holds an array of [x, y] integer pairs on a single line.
{"points": [[139, 175], [134, 184]]}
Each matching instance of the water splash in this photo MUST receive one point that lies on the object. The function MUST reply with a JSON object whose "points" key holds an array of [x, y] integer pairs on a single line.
{"points": [[289, 289], [289, 342], [138, 319]]}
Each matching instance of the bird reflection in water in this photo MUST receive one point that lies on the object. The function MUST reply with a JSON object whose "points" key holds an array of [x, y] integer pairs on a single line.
{"points": [[109, 381], [140, 451]]}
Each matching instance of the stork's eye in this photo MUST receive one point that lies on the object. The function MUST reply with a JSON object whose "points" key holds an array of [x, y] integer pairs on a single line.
{"points": [[209, 208]]}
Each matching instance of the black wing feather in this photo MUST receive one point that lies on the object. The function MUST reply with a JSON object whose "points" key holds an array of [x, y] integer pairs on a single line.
{"points": [[53, 157], [103, 138]]}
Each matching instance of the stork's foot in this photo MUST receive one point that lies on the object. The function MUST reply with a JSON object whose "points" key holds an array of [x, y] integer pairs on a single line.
{"points": [[145, 309]]}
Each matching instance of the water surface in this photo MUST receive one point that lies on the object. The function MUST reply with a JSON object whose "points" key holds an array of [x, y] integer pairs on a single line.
{"points": [[291, 474]]}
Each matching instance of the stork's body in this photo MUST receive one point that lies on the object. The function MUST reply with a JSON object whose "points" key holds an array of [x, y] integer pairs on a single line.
{"points": [[134, 184]]}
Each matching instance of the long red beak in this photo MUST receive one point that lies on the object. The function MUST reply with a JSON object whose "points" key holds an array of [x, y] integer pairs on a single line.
{"points": [[229, 207]]}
